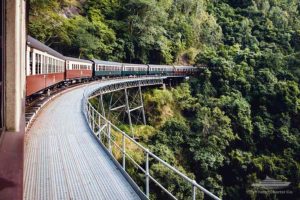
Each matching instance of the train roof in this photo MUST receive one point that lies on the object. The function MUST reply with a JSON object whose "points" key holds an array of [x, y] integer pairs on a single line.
{"points": [[150, 65], [102, 62], [78, 60], [184, 66], [34, 43], [134, 65]]}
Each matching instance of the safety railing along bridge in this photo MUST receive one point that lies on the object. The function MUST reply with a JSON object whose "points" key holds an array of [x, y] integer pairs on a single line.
{"points": [[115, 140]]}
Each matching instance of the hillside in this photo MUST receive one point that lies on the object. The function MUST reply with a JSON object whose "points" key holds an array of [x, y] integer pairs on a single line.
{"points": [[239, 121]]}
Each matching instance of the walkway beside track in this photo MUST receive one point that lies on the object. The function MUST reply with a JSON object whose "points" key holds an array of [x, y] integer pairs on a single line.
{"points": [[64, 161]]}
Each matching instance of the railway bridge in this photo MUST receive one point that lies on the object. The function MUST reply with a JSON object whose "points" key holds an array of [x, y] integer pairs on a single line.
{"points": [[73, 152]]}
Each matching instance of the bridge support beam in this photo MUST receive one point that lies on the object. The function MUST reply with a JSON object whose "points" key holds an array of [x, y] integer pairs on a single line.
{"points": [[128, 111], [128, 102], [142, 105]]}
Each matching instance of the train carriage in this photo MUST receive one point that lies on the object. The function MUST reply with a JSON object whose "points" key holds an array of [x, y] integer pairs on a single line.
{"points": [[107, 68], [46, 67], [161, 70], [134, 69], [185, 70], [78, 68]]}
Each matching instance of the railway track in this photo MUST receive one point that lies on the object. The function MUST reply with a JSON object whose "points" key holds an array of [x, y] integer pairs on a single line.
{"points": [[36, 103]]}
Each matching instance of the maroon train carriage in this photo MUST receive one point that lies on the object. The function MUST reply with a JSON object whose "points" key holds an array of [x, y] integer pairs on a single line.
{"points": [[78, 68], [185, 70], [45, 67]]}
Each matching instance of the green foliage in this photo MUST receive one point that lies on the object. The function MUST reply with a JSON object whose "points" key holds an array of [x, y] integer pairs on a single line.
{"points": [[142, 31]]}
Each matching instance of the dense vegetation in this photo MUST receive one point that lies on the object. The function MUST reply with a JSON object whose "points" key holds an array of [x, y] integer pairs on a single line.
{"points": [[236, 123]]}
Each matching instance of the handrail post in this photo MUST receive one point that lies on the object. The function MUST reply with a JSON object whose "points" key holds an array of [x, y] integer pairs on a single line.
{"points": [[194, 189], [147, 173], [93, 120], [109, 137], [88, 114], [124, 150], [99, 127]]}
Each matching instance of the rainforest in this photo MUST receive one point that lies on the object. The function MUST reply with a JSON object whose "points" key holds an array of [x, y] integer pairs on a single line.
{"points": [[231, 126]]}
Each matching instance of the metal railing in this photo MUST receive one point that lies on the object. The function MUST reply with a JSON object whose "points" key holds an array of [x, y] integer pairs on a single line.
{"points": [[112, 138]]}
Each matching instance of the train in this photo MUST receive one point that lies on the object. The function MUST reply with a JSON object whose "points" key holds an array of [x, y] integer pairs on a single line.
{"points": [[47, 68]]}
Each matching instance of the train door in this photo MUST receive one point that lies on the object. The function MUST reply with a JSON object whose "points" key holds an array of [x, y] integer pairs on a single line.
{"points": [[2, 61]]}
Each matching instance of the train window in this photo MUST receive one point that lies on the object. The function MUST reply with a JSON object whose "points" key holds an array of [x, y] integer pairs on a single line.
{"points": [[50, 65], [57, 66], [42, 61], [53, 65], [40, 64], [48, 62], [36, 64], [30, 62], [46, 65]]}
